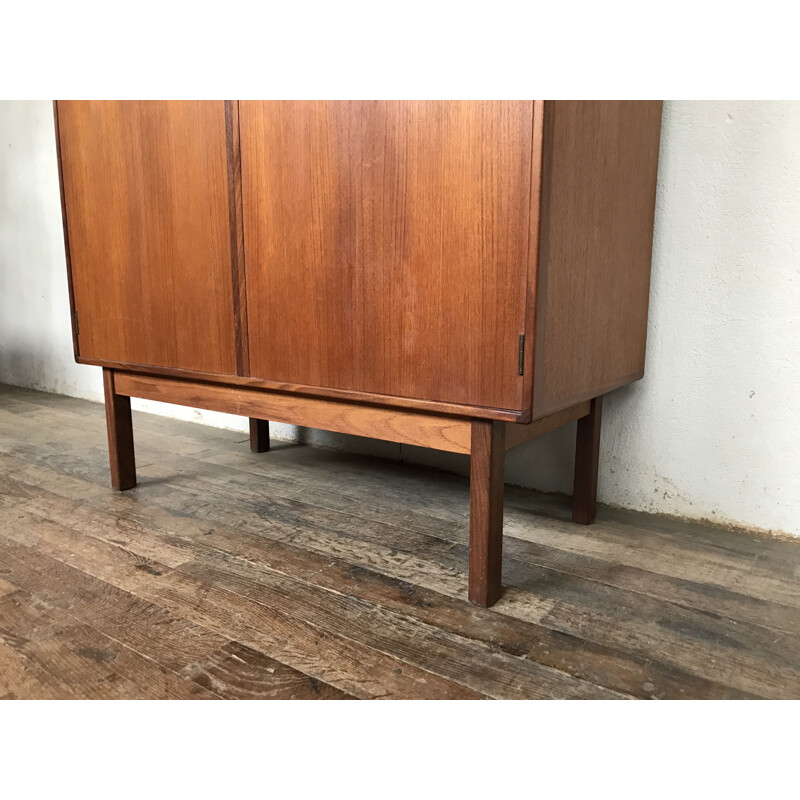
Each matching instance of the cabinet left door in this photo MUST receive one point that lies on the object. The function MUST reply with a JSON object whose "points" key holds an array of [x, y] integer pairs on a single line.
{"points": [[145, 192]]}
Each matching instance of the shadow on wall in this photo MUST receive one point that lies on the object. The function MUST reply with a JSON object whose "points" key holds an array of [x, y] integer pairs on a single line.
{"points": [[546, 463], [35, 365]]}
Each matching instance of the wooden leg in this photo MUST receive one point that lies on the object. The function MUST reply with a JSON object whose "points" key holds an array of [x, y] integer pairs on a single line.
{"points": [[587, 459], [486, 511], [259, 435], [120, 435]]}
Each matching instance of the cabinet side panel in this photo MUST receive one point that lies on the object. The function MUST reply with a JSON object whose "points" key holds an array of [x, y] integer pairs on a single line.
{"points": [[598, 202], [146, 202], [386, 246]]}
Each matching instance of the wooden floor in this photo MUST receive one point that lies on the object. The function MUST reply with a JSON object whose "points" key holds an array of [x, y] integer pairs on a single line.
{"points": [[304, 573]]}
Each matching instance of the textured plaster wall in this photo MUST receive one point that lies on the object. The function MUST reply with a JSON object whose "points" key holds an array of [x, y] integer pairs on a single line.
{"points": [[713, 431]]}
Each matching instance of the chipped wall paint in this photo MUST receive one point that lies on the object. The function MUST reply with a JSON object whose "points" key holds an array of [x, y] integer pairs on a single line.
{"points": [[713, 431]]}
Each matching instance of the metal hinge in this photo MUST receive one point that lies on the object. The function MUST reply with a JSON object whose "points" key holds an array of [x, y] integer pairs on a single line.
{"points": [[521, 362]]}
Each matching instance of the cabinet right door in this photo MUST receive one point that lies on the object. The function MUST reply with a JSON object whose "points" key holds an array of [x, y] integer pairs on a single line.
{"points": [[386, 245]]}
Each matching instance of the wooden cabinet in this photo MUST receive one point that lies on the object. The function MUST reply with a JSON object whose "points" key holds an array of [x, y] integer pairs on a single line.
{"points": [[459, 275]]}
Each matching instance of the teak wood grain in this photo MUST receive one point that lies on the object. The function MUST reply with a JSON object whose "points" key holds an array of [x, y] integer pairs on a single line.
{"points": [[146, 205], [387, 245], [394, 425], [600, 160], [486, 511], [390, 401], [405, 218]]}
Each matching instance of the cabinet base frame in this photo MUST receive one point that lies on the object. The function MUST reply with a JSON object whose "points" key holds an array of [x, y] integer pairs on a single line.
{"points": [[485, 441]]}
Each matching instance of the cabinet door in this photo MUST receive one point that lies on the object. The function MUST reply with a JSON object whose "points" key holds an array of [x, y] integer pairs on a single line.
{"points": [[146, 204], [387, 245]]}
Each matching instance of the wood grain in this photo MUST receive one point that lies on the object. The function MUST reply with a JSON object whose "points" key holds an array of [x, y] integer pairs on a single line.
{"points": [[486, 511], [284, 558], [456, 658], [390, 239], [448, 409], [112, 611], [600, 160], [146, 199], [301, 643], [609, 667], [75, 660], [295, 566], [119, 426], [408, 427], [241, 673], [397, 249]]}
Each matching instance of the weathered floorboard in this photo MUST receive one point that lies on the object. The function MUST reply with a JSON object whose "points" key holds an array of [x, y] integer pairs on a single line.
{"points": [[518, 604], [314, 574], [238, 672]]}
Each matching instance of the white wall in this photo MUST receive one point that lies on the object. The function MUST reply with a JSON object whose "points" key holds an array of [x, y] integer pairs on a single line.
{"points": [[713, 431]]}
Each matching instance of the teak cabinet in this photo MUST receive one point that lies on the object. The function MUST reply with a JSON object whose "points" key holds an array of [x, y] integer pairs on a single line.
{"points": [[456, 275]]}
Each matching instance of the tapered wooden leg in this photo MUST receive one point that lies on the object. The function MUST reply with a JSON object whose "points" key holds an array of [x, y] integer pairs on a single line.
{"points": [[486, 511], [259, 435], [120, 435], [587, 460]]}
